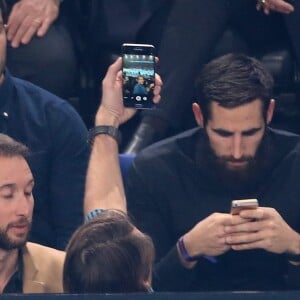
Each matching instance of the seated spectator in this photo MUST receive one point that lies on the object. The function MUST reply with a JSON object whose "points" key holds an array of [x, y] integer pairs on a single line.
{"points": [[24, 267], [40, 44], [56, 136], [190, 37], [108, 255], [180, 190]]}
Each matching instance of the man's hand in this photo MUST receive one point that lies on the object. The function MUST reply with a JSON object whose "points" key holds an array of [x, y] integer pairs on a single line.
{"points": [[29, 18], [208, 237], [279, 6], [265, 229], [112, 99]]}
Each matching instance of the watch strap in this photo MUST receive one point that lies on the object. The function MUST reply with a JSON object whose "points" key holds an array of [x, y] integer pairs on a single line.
{"points": [[103, 129], [291, 257]]}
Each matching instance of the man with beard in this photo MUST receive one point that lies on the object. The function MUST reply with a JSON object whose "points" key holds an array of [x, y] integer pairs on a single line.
{"points": [[24, 267], [180, 190], [56, 136]]}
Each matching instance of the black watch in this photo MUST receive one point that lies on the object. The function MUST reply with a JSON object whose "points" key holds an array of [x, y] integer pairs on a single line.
{"points": [[292, 257], [103, 129]]}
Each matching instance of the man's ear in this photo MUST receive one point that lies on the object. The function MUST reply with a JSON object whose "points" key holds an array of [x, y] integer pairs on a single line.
{"points": [[270, 111], [198, 114]]}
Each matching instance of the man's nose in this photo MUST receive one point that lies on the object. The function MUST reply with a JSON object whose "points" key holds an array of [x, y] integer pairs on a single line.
{"points": [[237, 147], [23, 206]]}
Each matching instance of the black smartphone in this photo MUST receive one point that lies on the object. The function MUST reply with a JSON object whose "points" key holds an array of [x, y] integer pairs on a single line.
{"points": [[138, 75]]}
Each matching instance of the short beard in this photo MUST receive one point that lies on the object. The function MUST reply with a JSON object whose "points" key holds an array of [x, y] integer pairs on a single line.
{"points": [[7, 244]]}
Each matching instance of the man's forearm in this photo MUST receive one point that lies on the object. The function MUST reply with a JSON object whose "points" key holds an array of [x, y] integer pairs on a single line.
{"points": [[104, 186]]}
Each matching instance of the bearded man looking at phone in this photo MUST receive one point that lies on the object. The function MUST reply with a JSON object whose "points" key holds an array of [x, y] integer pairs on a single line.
{"points": [[180, 190]]}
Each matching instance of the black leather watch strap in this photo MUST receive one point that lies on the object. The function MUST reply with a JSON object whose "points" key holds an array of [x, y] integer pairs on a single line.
{"points": [[102, 129]]}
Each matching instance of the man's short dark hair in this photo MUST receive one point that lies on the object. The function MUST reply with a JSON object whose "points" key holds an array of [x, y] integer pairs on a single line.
{"points": [[233, 80], [108, 255], [11, 148]]}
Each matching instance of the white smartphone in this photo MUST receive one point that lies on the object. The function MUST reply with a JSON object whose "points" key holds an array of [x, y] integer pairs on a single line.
{"points": [[238, 205]]}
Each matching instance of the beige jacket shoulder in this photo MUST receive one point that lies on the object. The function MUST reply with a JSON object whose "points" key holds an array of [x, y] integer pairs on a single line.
{"points": [[43, 268]]}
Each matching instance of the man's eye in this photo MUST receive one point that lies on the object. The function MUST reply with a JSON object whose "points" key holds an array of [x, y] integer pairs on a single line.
{"points": [[250, 132], [28, 194], [8, 196], [224, 133]]}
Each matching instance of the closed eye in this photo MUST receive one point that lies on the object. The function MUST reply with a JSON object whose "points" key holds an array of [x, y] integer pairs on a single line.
{"points": [[28, 194], [8, 196], [223, 133], [251, 132]]}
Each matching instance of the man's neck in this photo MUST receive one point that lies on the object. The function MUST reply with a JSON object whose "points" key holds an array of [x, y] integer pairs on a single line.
{"points": [[8, 266]]}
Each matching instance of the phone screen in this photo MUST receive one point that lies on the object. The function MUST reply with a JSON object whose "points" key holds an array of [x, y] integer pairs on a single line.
{"points": [[138, 75]]}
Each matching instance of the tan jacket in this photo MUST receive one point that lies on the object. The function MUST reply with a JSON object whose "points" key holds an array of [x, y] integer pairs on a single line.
{"points": [[43, 269]]}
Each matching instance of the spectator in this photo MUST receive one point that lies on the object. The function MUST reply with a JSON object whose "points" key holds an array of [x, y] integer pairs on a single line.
{"points": [[25, 267], [190, 37], [186, 184], [59, 153], [139, 88], [108, 255]]}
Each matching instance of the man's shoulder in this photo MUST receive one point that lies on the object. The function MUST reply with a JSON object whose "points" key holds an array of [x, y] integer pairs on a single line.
{"points": [[42, 107], [39, 97], [42, 253], [43, 269], [31, 89], [171, 146], [285, 140]]}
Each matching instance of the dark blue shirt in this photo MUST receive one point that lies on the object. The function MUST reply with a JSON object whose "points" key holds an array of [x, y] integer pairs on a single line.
{"points": [[139, 89], [56, 136]]}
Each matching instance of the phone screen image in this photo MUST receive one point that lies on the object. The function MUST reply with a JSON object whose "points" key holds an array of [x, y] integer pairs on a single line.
{"points": [[138, 78]]}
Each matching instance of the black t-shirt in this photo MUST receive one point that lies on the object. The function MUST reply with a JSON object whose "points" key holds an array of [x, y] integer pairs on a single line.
{"points": [[15, 284]]}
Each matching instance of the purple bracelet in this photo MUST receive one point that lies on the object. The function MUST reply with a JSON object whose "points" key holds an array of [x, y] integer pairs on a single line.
{"points": [[189, 258]]}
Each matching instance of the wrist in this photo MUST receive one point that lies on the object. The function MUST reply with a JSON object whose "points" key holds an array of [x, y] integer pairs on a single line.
{"points": [[294, 255], [105, 130], [104, 117], [186, 260], [294, 250]]}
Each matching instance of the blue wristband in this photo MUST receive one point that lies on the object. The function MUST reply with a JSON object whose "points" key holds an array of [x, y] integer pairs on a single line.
{"points": [[189, 258], [92, 214]]}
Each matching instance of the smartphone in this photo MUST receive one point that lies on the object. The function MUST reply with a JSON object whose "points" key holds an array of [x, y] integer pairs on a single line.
{"points": [[138, 75], [238, 205]]}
